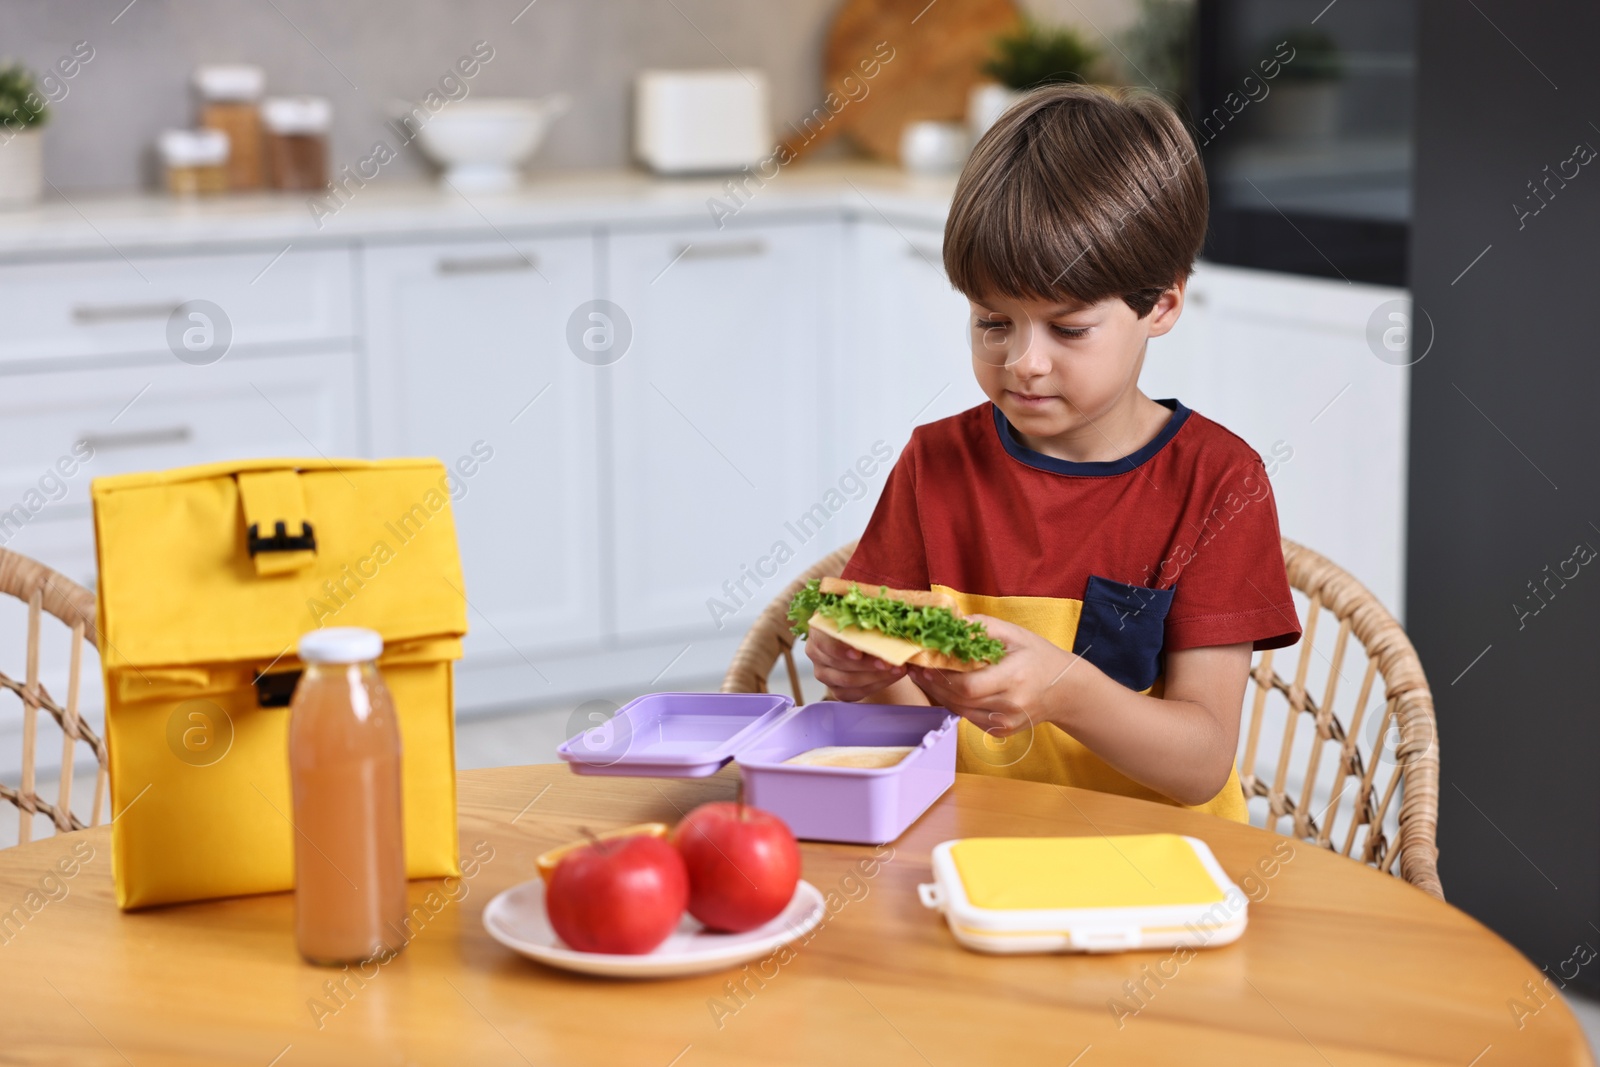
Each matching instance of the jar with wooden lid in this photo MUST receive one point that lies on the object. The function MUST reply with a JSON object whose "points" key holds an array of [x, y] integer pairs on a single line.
{"points": [[195, 161], [230, 99], [296, 138]]}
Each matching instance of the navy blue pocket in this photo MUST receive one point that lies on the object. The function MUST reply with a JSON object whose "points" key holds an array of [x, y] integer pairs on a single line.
{"points": [[1121, 630]]}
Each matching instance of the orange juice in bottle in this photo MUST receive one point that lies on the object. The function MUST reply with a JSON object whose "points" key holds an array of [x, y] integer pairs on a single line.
{"points": [[344, 766]]}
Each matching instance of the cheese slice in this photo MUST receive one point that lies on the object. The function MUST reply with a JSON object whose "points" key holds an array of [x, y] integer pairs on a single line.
{"points": [[870, 756], [892, 650]]}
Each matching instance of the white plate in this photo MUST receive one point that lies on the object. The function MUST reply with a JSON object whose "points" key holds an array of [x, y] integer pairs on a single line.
{"points": [[517, 919]]}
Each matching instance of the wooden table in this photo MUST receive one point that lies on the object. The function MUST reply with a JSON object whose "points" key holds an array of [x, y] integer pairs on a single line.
{"points": [[1340, 965]]}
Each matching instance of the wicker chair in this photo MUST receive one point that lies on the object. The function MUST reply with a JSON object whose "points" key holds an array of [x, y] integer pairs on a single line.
{"points": [[44, 590], [1299, 737]]}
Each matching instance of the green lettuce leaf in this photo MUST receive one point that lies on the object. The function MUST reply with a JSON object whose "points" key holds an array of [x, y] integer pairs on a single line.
{"points": [[935, 628]]}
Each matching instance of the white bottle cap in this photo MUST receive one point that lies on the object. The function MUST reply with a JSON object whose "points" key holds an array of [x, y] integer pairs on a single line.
{"points": [[291, 115], [193, 148], [230, 81], [341, 644]]}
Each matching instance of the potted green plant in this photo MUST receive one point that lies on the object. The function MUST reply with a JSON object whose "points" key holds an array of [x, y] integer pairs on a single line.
{"points": [[22, 112], [1031, 56], [1304, 105]]}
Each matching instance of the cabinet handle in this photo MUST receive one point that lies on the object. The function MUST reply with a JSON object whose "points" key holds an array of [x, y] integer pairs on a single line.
{"points": [[487, 264], [92, 314], [721, 249], [171, 435]]}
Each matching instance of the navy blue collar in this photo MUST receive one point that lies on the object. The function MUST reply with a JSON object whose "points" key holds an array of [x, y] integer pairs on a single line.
{"points": [[1100, 468]]}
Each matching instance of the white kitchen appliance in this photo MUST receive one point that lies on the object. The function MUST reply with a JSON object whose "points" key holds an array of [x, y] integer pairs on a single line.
{"points": [[701, 121]]}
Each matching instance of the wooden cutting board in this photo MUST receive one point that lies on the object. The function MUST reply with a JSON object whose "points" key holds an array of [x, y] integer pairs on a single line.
{"points": [[938, 50]]}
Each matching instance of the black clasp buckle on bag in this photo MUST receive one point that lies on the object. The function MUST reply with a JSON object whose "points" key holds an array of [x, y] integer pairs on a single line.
{"points": [[280, 541], [274, 690]]}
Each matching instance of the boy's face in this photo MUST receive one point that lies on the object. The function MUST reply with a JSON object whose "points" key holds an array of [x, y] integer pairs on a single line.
{"points": [[1055, 368]]}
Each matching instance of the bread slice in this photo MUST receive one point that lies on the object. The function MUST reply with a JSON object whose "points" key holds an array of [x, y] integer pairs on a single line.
{"points": [[867, 756], [894, 651]]}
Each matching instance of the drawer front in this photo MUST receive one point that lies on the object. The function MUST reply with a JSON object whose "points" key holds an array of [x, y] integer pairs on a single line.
{"points": [[117, 306], [60, 429]]}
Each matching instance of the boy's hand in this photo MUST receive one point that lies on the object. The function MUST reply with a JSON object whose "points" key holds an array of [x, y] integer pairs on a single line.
{"points": [[849, 672], [1006, 697]]}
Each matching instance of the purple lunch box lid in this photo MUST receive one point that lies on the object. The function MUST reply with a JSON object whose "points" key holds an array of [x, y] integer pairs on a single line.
{"points": [[675, 735]]}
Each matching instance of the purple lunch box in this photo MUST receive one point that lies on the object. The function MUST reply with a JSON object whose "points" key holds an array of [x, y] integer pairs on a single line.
{"points": [[692, 735]]}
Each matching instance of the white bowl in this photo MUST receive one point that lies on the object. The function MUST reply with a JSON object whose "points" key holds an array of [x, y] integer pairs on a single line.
{"points": [[483, 143]]}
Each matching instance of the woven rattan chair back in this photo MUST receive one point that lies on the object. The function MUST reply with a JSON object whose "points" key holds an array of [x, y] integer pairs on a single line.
{"points": [[46, 592], [1333, 776], [1308, 770]]}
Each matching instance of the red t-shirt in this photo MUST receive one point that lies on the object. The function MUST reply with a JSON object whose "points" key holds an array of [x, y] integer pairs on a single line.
{"points": [[1184, 528], [1173, 546]]}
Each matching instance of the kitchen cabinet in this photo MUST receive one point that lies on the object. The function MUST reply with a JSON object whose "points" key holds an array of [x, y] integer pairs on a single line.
{"points": [[714, 440], [86, 366], [468, 361]]}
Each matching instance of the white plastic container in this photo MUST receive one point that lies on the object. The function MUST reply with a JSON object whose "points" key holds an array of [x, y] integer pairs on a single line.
{"points": [[985, 104], [701, 121], [1144, 891], [195, 161], [22, 167], [933, 147]]}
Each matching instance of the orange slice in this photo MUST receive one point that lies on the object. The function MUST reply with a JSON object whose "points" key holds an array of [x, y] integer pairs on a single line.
{"points": [[547, 861]]}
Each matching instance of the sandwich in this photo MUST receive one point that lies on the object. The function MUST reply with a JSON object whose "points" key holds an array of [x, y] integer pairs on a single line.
{"points": [[898, 626]]}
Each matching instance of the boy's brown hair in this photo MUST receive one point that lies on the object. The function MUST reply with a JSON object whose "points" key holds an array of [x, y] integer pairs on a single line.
{"points": [[1081, 193]]}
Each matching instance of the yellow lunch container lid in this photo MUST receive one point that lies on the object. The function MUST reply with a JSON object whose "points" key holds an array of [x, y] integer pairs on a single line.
{"points": [[1084, 894]]}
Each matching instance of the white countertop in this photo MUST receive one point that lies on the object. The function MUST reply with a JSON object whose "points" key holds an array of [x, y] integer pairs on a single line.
{"points": [[83, 223]]}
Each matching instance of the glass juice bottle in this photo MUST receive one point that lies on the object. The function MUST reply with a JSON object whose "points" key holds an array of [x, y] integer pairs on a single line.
{"points": [[344, 766]]}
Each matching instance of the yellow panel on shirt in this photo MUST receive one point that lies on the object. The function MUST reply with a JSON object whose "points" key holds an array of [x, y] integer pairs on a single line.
{"points": [[1047, 753]]}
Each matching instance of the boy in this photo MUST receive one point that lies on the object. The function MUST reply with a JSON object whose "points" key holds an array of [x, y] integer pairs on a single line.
{"points": [[1124, 549]]}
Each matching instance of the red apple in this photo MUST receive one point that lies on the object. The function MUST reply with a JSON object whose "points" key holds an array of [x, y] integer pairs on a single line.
{"points": [[623, 896], [743, 864]]}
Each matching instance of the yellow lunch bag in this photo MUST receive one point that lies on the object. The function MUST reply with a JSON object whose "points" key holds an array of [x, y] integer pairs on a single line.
{"points": [[208, 577]]}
